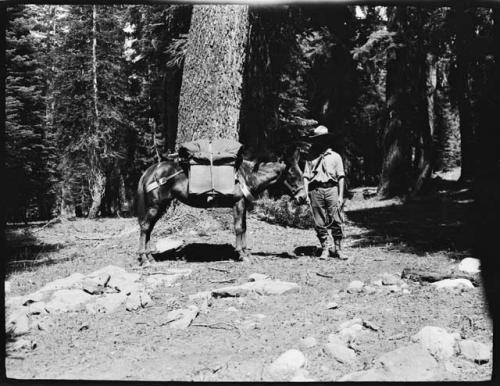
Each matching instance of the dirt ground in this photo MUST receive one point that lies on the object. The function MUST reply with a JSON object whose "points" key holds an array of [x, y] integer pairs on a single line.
{"points": [[238, 337]]}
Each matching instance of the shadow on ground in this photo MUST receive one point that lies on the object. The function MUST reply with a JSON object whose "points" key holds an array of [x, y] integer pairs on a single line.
{"points": [[201, 252], [442, 221]]}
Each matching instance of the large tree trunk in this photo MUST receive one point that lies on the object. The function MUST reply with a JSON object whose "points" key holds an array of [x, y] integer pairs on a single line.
{"points": [[464, 30], [210, 99], [97, 175], [396, 164], [427, 91], [446, 123]]}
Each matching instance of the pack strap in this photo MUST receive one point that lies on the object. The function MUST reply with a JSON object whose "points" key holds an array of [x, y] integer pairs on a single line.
{"points": [[162, 181]]}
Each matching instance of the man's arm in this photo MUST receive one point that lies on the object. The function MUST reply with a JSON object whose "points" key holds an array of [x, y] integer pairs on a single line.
{"points": [[341, 191]]}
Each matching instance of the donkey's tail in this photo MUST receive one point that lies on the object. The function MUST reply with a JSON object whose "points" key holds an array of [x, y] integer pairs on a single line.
{"points": [[141, 199]]}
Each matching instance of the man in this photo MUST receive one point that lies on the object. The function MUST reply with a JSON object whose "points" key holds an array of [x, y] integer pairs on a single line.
{"points": [[324, 186]]}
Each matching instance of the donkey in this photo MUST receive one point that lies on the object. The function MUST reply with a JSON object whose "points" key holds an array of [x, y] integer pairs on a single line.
{"points": [[253, 177]]}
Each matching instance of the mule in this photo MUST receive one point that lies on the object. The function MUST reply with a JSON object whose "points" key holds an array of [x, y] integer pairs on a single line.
{"points": [[253, 178]]}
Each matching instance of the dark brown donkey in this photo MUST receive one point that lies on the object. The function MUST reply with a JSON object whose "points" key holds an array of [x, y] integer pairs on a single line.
{"points": [[253, 178]]}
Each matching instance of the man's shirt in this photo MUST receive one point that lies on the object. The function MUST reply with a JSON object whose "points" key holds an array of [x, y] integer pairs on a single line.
{"points": [[325, 168]]}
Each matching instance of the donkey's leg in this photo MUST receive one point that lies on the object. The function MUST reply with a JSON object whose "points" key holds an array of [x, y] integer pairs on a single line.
{"points": [[147, 224], [244, 228], [239, 228], [155, 214]]}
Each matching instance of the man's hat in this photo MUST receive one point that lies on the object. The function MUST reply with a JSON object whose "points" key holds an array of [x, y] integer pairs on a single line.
{"points": [[319, 131]]}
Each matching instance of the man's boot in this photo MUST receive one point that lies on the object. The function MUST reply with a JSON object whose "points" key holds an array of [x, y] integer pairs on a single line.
{"points": [[325, 251], [336, 251]]}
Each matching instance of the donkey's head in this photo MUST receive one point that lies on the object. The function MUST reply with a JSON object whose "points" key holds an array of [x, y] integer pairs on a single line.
{"points": [[292, 175]]}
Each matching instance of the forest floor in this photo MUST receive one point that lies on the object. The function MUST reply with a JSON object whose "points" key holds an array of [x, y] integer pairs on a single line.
{"points": [[236, 338]]}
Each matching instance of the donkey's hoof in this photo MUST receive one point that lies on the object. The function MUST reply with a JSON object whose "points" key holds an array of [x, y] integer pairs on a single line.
{"points": [[244, 257]]}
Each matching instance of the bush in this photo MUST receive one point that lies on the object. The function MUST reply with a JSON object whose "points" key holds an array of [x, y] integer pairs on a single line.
{"points": [[284, 212]]}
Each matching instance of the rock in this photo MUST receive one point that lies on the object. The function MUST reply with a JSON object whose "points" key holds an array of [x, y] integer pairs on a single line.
{"points": [[390, 279], [22, 344], [332, 306], [107, 304], [182, 318], [37, 296], [18, 323], [7, 287], [43, 325], [67, 300], [120, 279], [453, 283], [145, 299], [72, 281], [393, 288], [36, 308], [405, 364], [355, 286], [470, 265], [437, 341], [200, 295], [337, 348], [369, 289], [349, 323], [167, 244], [14, 301], [286, 365], [100, 279], [370, 325], [349, 334], [154, 281], [133, 301], [309, 342], [377, 282], [475, 351], [273, 287], [406, 292], [92, 287], [302, 375], [257, 277], [261, 287]]}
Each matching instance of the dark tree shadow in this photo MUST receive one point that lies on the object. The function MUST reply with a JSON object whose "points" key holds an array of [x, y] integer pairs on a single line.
{"points": [[200, 252], [434, 223], [307, 250]]}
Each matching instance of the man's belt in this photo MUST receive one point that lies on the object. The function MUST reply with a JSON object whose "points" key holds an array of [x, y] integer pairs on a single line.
{"points": [[317, 184]]}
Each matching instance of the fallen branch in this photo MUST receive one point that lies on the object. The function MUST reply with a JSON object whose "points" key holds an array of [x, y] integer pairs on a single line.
{"points": [[218, 269], [421, 275], [47, 259], [53, 221], [93, 238], [324, 275], [223, 281], [217, 326]]}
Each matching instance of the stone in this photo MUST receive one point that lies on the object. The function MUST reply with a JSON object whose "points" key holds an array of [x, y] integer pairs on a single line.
{"points": [[453, 283], [22, 344], [133, 301], [470, 265], [349, 334], [406, 364], [390, 279], [92, 287], [37, 296], [167, 244], [475, 351], [274, 287], [377, 282], [7, 287], [355, 286], [14, 302], [107, 304], [331, 305], [369, 289], [200, 295], [120, 279], [155, 281], [302, 375], [182, 318], [286, 365], [440, 344], [43, 325], [67, 300], [370, 325], [72, 281], [349, 323], [337, 348], [99, 279], [18, 323], [406, 291], [309, 342], [145, 299], [257, 277], [36, 308]]}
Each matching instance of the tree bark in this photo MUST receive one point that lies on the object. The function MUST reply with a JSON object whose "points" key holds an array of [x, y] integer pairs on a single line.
{"points": [[97, 175], [463, 46], [210, 99], [426, 118], [396, 164]]}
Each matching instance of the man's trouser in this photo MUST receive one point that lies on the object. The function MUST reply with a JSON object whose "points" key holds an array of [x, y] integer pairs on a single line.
{"points": [[326, 213]]}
